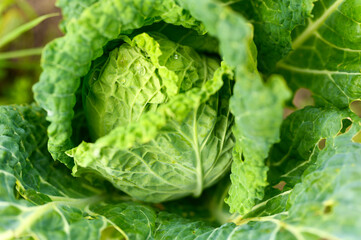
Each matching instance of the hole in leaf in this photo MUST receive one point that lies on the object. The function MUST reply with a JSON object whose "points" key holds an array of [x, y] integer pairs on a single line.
{"points": [[346, 125], [328, 206], [357, 137], [303, 98], [287, 112], [280, 185], [242, 157], [356, 107], [322, 144]]}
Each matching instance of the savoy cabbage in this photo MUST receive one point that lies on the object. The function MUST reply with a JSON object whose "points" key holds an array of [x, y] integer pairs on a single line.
{"points": [[164, 120]]}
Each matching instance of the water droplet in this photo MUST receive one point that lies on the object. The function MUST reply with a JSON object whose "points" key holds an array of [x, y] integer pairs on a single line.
{"points": [[141, 70], [176, 56]]}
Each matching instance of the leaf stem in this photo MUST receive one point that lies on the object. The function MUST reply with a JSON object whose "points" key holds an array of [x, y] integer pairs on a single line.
{"points": [[24, 28]]}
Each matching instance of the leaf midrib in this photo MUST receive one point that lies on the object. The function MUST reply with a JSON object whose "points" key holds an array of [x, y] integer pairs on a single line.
{"points": [[313, 26]]}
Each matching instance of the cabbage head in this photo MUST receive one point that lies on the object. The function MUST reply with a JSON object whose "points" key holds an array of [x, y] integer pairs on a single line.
{"points": [[138, 77]]}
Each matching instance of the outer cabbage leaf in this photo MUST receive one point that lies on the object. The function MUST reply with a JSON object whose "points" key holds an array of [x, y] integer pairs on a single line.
{"points": [[39, 199], [72, 9], [258, 116], [326, 57], [251, 101], [302, 134], [273, 23], [67, 59]]}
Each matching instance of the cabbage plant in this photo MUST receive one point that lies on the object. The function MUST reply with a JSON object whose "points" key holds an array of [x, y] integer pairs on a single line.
{"points": [[166, 120]]}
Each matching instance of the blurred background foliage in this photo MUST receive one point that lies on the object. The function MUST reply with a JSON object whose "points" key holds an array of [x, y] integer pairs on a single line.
{"points": [[25, 27]]}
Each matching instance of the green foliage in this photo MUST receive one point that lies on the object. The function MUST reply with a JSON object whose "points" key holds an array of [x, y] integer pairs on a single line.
{"points": [[149, 104], [18, 68]]}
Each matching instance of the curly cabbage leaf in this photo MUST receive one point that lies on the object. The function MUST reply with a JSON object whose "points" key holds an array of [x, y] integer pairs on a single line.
{"points": [[39, 199]]}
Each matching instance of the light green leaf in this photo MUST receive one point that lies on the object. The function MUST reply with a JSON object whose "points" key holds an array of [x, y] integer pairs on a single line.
{"points": [[138, 77], [258, 115], [72, 9]]}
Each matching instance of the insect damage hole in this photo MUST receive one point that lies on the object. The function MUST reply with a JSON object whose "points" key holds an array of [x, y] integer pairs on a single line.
{"points": [[345, 125], [280, 185], [328, 206], [302, 98], [287, 111], [322, 143], [356, 107]]}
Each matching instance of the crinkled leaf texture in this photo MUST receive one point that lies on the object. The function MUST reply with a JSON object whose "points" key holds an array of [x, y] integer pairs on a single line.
{"points": [[39, 199], [72, 9], [138, 77]]}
